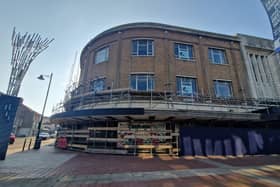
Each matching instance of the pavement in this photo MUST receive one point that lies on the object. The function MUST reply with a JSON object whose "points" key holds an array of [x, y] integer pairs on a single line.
{"points": [[54, 167], [18, 145]]}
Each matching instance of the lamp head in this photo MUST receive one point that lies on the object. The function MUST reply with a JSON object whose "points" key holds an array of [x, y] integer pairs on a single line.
{"points": [[41, 77]]}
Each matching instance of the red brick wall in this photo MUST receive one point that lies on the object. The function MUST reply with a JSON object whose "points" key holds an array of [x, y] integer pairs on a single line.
{"points": [[163, 64]]}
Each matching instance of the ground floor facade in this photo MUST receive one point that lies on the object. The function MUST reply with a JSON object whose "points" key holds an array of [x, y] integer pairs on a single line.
{"points": [[139, 131], [123, 137]]}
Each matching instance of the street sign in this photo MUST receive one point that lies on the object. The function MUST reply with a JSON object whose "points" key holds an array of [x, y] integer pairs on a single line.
{"points": [[272, 8]]}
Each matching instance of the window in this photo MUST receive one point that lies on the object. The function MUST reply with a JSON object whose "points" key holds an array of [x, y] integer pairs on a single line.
{"points": [[97, 85], [186, 86], [217, 56], [142, 82], [142, 47], [183, 51], [102, 55], [223, 88]]}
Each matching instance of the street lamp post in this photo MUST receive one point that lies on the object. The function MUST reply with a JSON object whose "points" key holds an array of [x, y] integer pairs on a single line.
{"points": [[37, 144]]}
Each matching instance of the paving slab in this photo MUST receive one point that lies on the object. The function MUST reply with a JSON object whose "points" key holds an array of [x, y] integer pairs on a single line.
{"points": [[53, 167], [249, 160], [85, 164], [233, 180], [34, 163]]}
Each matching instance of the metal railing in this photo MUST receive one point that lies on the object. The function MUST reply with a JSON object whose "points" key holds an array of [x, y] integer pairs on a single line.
{"points": [[77, 101]]}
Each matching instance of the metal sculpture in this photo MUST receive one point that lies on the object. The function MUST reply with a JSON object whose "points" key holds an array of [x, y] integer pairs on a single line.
{"points": [[25, 48]]}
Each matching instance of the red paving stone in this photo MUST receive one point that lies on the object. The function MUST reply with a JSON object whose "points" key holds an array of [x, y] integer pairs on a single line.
{"points": [[91, 164], [233, 180], [250, 160], [86, 164], [274, 174]]}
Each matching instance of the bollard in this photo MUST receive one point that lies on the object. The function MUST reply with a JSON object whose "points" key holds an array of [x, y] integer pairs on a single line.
{"points": [[23, 145], [29, 144]]}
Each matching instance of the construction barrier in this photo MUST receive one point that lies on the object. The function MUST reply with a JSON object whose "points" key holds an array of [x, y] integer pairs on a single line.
{"points": [[206, 141]]}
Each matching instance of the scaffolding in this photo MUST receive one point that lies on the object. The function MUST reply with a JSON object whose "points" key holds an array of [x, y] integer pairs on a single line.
{"points": [[136, 136]]}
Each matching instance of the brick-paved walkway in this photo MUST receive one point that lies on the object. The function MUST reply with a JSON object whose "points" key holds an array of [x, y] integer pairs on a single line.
{"points": [[34, 163], [250, 160], [51, 167], [87, 164]]}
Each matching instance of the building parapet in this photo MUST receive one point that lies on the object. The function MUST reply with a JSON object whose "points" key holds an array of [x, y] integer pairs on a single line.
{"points": [[165, 27], [256, 42]]}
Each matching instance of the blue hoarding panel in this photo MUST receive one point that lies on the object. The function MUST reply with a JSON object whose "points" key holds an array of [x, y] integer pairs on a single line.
{"points": [[229, 141], [8, 109]]}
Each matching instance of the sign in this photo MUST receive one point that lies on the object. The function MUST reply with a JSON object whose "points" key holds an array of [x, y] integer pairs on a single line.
{"points": [[272, 8], [61, 143], [183, 54], [187, 88]]}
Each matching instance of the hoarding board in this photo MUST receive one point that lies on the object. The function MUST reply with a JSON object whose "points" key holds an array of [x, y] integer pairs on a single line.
{"points": [[8, 109]]}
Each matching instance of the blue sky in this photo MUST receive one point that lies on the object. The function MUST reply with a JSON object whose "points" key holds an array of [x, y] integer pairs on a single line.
{"points": [[74, 22]]}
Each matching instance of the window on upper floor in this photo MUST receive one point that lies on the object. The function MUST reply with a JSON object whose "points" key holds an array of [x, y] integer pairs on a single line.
{"points": [[223, 88], [142, 47], [142, 82], [183, 51], [186, 86], [97, 85], [217, 56], [102, 55]]}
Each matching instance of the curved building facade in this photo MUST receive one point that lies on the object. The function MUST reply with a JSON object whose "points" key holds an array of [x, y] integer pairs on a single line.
{"points": [[165, 55], [142, 84]]}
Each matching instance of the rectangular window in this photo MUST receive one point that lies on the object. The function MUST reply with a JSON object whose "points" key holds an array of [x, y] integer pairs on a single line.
{"points": [[217, 56], [142, 82], [102, 55], [183, 51], [97, 85], [186, 86], [142, 47], [223, 88]]}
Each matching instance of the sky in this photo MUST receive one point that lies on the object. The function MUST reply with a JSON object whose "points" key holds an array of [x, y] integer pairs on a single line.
{"points": [[72, 23]]}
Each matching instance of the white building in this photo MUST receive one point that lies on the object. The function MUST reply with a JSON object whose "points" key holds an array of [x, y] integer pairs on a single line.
{"points": [[263, 67]]}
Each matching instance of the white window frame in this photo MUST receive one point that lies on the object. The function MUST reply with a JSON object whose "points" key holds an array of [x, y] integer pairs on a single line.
{"points": [[99, 52], [137, 50], [222, 52], [194, 92], [223, 81], [147, 81], [93, 82], [177, 44]]}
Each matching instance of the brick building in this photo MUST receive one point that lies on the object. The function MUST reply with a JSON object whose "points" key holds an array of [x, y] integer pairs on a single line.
{"points": [[26, 121], [143, 88], [171, 53]]}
